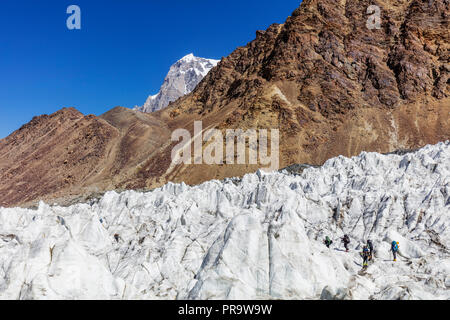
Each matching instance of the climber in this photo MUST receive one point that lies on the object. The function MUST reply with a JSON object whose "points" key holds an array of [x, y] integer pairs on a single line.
{"points": [[117, 237], [61, 220], [370, 246], [365, 254], [394, 249], [328, 241], [346, 241]]}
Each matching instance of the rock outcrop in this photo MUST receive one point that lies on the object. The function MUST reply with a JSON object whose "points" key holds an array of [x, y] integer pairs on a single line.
{"points": [[331, 85]]}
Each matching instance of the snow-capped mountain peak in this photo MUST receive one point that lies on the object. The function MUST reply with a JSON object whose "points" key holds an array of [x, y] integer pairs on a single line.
{"points": [[184, 75], [188, 58]]}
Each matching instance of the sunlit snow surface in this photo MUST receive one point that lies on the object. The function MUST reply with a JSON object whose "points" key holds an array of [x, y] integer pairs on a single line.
{"points": [[255, 238]]}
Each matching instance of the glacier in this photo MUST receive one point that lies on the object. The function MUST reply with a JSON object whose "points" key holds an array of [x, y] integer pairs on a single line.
{"points": [[255, 237]]}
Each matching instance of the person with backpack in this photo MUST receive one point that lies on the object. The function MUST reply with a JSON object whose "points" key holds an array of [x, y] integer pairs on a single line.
{"points": [[370, 246], [328, 241], [394, 249], [346, 241], [365, 255]]}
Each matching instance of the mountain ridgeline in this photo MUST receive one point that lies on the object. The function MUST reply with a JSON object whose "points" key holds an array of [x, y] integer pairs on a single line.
{"points": [[182, 78], [327, 82]]}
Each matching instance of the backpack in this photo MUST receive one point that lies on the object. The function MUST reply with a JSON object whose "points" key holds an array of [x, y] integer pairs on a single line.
{"points": [[365, 253], [394, 246]]}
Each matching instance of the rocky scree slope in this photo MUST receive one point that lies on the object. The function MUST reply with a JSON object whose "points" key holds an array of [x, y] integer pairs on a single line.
{"points": [[328, 83]]}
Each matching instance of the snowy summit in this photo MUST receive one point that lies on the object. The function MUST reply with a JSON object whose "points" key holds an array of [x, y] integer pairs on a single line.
{"points": [[182, 78]]}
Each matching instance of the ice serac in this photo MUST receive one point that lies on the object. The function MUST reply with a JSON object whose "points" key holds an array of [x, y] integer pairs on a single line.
{"points": [[182, 78], [259, 237]]}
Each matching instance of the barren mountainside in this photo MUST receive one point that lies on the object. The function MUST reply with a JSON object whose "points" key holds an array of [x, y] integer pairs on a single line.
{"points": [[331, 85], [66, 154], [327, 82]]}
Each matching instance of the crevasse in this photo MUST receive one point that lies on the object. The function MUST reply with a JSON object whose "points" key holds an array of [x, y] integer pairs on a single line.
{"points": [[258, 237]]}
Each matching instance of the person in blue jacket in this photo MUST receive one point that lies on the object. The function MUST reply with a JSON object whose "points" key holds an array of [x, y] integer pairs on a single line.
{"points": [[365, 255], [394, 249]]}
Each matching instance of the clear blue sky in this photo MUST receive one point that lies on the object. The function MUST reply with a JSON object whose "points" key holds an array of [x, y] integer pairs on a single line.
{"points": [[120, 55]]}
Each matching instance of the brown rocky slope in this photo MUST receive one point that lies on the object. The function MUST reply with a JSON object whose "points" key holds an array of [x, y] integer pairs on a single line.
{"points": [[331, 86], [67, 155]]}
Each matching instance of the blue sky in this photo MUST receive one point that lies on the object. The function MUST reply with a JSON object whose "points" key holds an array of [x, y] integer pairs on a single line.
{"points": [[121, 54]]}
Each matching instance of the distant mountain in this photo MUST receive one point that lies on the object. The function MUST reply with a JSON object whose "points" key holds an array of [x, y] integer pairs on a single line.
{"points": [[330, 85], [182, 78], [67, 154]]}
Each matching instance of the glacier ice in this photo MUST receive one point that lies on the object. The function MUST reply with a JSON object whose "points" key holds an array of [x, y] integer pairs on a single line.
{"points": [[255, 237]]}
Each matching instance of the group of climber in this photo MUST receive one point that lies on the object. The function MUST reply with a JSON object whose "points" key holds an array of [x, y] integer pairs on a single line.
{"points": [[367, 250]]}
